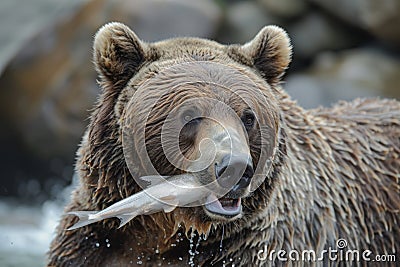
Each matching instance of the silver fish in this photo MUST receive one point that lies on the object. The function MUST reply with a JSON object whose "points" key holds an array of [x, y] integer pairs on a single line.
{"points": [[161, 195]]}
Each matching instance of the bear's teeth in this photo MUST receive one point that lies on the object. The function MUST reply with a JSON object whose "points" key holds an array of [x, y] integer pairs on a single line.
{"points": [[227, 202]]}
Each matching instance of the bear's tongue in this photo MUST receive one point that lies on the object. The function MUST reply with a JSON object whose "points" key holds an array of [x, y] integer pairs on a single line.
{"points": [[224, 206]]}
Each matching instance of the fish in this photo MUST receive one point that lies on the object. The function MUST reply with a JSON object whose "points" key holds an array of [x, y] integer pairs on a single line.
{"points": [[162, 194]]}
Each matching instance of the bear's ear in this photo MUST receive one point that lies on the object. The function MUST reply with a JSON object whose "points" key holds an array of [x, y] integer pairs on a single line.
{"points": [[118, 54], [269, 52]]}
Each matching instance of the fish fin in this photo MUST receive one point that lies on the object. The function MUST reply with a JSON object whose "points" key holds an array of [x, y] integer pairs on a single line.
{"points": [[153, 179], [125, 218], [170, 203], [84, 218], [169, 208]]}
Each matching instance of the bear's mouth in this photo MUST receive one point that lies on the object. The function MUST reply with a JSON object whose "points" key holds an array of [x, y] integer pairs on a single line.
{"points": [[227, 207]]}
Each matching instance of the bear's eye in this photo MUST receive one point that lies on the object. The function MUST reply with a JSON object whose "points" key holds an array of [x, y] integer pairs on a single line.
{"points": [[187, 118], [248, 119], [190, 117], [193, 120]]}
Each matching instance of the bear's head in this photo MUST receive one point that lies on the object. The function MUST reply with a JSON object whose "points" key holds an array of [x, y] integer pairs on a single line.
{"points": [[187, 105]]}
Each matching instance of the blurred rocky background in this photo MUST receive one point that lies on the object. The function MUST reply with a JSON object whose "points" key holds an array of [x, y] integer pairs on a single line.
{"points": [[342, 50]]}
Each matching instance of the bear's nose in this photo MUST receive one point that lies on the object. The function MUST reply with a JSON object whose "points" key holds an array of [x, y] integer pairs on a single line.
{"points": [[234, 168]]}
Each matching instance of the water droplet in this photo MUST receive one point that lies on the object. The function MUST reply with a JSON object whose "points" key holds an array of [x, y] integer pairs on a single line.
{"points": [[108, 245], [180, 258], [106, 240], [97, 245], [139, 262], [86, 238], [157, 251]]}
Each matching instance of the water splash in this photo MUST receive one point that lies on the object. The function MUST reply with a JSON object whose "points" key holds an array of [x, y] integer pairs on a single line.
{"points": [[193, 247], [191, 253], [197, 244], [222, 238]]}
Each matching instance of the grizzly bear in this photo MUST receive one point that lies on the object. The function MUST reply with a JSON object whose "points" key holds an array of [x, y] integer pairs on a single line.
{"points": [[324, 180]]}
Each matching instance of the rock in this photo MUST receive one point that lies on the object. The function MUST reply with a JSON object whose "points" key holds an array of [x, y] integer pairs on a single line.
{"points": [[24, 19], [41, 100], [365, 72], [49, 80], [315, 32], [285, 8], [50, 86], [243, 21], [155, 20], [381, 18]]}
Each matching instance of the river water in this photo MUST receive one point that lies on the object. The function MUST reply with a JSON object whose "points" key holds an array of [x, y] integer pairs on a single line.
{"points": [[26, 232]]}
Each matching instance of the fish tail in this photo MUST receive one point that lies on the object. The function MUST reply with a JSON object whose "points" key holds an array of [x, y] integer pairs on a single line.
{"points": [[84, 218]]}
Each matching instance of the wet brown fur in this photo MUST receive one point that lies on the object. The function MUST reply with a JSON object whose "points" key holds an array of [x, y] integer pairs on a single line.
{"points": [[335, 173]]}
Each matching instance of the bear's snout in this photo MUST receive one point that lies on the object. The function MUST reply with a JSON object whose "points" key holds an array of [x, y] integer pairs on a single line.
{"points": [[237, 167]]}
